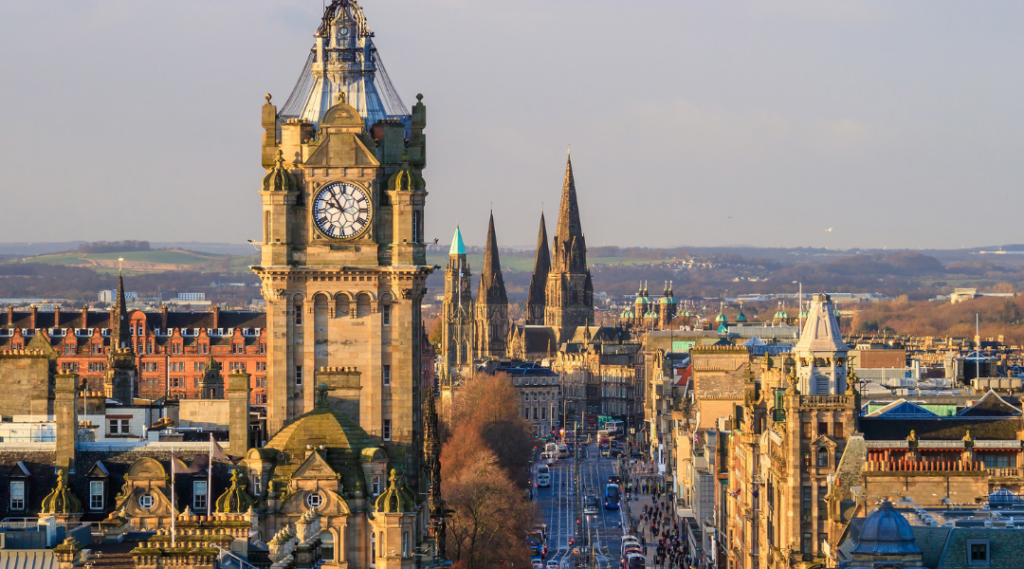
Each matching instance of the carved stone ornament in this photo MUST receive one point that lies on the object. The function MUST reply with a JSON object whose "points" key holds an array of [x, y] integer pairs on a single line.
{"points": [[270, 293]]}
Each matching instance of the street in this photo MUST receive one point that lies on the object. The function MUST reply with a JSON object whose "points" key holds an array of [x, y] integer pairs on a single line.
{"points": [[557, 508]]}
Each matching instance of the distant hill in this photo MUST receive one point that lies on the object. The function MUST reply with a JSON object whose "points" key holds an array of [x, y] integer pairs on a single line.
{"points": [[28, 249]]}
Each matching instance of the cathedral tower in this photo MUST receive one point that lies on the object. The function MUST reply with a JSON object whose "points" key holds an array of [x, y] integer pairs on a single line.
{"points": [[538, 284], [456, 312], [343, 265], [491, 303], [570, 291]]}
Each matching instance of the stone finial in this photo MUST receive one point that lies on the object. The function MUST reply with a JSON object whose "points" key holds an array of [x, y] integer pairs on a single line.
{"points": [[267, 97]]}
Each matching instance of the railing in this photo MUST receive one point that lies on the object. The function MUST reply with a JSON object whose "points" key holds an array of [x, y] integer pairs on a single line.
{"points": [[1004, 472], [824, 400], [230, 560], [923, 466], [20, 524]]}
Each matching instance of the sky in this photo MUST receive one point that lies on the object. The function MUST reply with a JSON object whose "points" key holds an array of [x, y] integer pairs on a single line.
{"points": [[691, 123]]}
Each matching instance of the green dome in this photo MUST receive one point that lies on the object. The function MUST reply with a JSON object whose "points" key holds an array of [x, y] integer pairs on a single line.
{"points": [[741, 317], [804, 314], [235, 500], [686, 314], [341, 438], [61, 500], [641, 300], [784, 315], [627, 313], [667, 300], [395, 500], [279, 179], [721, 318]]}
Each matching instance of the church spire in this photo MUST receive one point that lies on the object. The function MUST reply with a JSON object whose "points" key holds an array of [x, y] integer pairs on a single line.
{"points": [[492, 286], [570, 248], [541, 265], [120, 336]]}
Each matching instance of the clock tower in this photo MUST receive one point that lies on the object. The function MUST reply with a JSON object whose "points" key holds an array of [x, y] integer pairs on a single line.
{"points": [[343, 265]]}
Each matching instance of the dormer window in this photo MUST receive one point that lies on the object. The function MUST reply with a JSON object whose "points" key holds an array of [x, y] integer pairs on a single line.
{"points": [[978, 552]]}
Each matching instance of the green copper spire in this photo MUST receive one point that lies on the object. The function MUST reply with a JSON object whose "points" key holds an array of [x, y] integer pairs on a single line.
{"points": [[458, 247]]}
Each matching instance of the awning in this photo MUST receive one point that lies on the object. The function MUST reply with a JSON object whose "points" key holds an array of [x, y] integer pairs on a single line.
{"points": [[685, 513]]}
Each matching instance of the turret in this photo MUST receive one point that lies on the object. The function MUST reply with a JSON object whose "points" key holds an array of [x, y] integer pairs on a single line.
{"points": [[456, 311]]}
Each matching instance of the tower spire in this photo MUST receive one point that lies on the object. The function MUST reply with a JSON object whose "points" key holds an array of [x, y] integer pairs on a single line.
{"points": [[570, 248], [535, 297], [492, 286], [119, 318]]}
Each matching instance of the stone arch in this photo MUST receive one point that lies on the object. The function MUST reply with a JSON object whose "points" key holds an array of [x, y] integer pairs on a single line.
{"points": [[342, 305], [363, 302]]}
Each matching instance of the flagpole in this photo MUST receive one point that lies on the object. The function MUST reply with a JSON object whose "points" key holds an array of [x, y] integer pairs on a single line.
{"points": [[209, 481], [172, 499]]}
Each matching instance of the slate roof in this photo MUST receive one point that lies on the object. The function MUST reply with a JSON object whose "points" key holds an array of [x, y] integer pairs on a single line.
{"points": [[991, 405], [944, 428], [115, 464]]}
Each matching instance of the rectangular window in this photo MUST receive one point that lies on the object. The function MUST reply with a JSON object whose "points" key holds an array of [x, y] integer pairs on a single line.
{"points": [[196, 381], [96, 495], [298, 315], [385, 315], [837, 430], [805, 429], [977, 552], [387, 429], [298, 375], [199, 495], [405, 544], [17, 495], [118, 426], [386, 372], [806, 545], [822, 428], [806, 509], [376, 485]]}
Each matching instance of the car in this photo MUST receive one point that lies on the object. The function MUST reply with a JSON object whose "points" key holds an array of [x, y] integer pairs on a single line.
{"points": [[632, 548], [553, 564], [590, 504], [537, 563], [615, 479]]}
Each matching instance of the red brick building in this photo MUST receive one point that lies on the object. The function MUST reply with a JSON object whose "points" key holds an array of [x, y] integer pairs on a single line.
{"points": [[171, 348]]}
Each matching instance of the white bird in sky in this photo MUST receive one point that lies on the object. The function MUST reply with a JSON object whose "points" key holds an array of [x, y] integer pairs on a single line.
{"points": [[829, 230]]}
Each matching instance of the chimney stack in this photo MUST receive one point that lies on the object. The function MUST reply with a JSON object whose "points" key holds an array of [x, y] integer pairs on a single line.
{"points": [[238, 412], [65, 412], [56, 316], [163, 317], [32, 317]]}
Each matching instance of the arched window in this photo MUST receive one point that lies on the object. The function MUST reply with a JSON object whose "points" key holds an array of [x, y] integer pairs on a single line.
{"points": [[822, 457], [362, 305], [326, 546], [298, 311], [341, 306]]}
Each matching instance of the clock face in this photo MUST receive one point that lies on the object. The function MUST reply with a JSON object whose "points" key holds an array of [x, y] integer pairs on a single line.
{"points": [[341, 211]]}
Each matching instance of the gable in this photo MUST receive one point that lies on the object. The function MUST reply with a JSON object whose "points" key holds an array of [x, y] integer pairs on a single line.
{"points": [[901, 408], [341, 149], [315, 468]]}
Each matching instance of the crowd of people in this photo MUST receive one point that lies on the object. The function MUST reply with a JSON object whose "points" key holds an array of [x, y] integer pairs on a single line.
{"points": [[655, 525]]}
